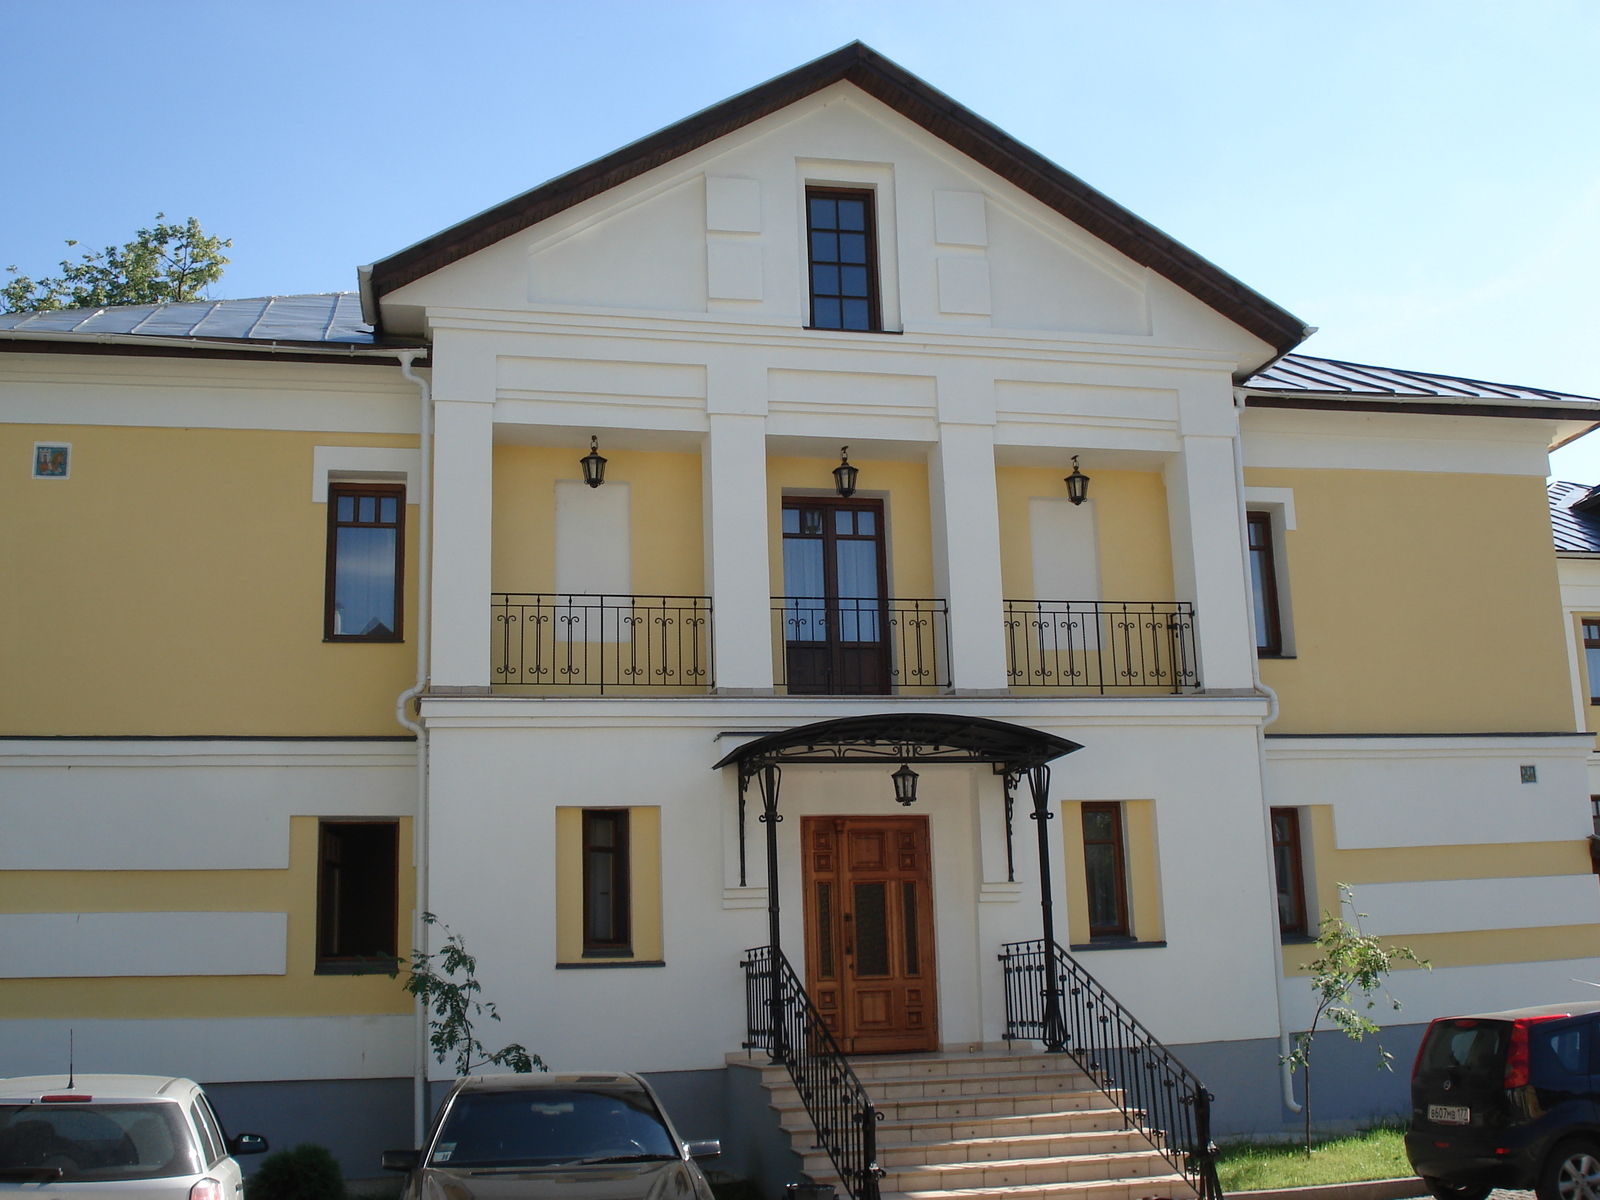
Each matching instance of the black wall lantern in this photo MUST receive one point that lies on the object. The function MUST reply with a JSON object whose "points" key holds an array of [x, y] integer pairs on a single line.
{"points": [[1077, 484], [844, 475], [594, 467], [905, 785]]}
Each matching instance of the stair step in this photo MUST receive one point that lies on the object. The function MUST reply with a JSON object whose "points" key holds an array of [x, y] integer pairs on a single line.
{"points": [[996, 1084], [902, 1155], [1079, 1120], [1025, 1172], [933, 1108], [1154, 1187]]}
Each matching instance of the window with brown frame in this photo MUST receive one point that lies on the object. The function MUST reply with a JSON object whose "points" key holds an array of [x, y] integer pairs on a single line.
{"points": [[1289, 870], [1591, 658], [842, 258], [606, 931], [366, 553], [1264, 586], [1106, 870], [358, 897]]}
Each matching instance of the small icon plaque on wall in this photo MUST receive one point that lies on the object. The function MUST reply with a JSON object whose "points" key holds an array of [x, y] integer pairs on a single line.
{"points": [[51, 460]]}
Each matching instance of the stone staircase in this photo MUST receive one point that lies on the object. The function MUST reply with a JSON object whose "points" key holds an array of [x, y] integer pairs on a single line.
{"points": [[976, 1125]]}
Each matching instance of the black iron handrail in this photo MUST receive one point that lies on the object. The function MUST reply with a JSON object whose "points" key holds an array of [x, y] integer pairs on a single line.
{"points": [[571, 640], [872, 645], [781, 1020], [1101, 644], [1157, 1094]]}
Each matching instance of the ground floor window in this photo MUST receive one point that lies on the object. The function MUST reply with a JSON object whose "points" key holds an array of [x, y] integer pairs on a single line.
{"points": [[1106, 870], [1289, 870], [605, 882], [358, 896]]}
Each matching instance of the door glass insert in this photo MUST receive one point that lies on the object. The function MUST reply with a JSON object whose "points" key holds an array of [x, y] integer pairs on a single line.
{"points": [[825, 931], [833, 610], [872, 929], [913, 965]]}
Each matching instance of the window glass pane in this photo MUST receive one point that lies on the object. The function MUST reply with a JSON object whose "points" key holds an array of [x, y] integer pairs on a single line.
{"points": [[357, 893], [1097, 825], [825, 930], [854, 315], [1288, 905], [791, 520], [387, 508], [103, 1143], [368, 509], [1592, 660], [852, 214], [523, 1128], [811, 522], [824, 214], [1100, 861], [852, 281], [824, 279], [866, 523], [347, 508], [852, 247], [913, 959], [825, 247], [842, 522], [802, 567], [826, 314], [363, 592], [872, 930], [208, 1148]]}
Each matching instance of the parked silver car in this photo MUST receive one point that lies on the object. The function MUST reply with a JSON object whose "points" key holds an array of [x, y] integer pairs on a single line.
{"points": [[109, 1137], [599, 1136]]}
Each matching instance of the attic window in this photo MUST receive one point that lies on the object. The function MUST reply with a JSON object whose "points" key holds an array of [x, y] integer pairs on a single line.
{"points": [[842, 252]]}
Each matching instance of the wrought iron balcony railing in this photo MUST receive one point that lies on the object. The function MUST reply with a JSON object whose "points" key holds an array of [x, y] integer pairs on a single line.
{"points": [[1101, 645], [592, 643], [860, 647], [1050, 998]]}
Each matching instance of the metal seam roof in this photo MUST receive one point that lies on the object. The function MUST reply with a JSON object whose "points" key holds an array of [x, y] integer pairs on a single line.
{"points": [[1574, 532], [1305, 375]]}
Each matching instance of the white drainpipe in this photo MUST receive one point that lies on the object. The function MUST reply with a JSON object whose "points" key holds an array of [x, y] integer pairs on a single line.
{"points": [[402, 705], [1286, 1076]]}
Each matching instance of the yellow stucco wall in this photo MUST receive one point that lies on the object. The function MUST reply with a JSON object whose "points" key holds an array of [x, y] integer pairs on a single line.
{"points": [[298, 993], [644, 885], [1422, 603], [1130, 525], [174, 585], [668, 550]]}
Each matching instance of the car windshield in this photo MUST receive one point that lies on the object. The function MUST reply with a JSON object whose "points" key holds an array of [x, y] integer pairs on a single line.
{"points": [[544, 1126], [94, 1142], [1465, 1047]]}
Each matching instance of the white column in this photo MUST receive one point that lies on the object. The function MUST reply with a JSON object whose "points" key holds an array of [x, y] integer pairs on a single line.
{"points": [[734, 480], [463, 508], [1208, 564], [966, 554]]}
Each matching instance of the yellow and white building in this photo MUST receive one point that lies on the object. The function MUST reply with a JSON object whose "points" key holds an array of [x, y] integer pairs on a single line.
{"points": [[1306, 626]]}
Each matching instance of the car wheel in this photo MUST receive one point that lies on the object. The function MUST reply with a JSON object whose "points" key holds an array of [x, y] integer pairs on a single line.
{"points": [[1456, 1191], [1572, 1172]]}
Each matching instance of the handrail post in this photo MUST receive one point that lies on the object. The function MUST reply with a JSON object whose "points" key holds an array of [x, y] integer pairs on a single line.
{"points": [[869, 1153], [769, 777], [1039, 786], [1206, 1150]]}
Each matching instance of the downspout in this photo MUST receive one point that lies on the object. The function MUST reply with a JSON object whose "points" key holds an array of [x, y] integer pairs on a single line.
{"points": [[402, 713], [1286, 1076]]}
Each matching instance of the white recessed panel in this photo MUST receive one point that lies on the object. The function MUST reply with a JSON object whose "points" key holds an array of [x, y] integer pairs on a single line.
{"points": [[101, 945], [1464, 905], [733, 205], [963, 285], [959, 220], [733, 270], [594, 543], [1066, 558]]}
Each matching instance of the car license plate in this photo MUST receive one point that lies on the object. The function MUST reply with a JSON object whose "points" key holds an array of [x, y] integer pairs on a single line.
{"points": [[1444, 1114]]}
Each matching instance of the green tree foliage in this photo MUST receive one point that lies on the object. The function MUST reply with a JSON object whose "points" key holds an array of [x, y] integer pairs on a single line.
{"points": [[308, 1172], [163, 264], [1348, 962], [454, 1006]]}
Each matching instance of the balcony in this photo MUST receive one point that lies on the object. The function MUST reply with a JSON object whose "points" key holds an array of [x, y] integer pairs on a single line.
{"points": [[840, 646], [584, 645], [1055, 646]]}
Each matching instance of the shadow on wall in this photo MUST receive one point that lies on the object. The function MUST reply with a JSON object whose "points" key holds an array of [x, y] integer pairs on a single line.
{"points": [[357, 1119]]}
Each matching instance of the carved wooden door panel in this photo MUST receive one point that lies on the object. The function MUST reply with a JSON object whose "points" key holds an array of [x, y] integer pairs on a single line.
{"points": [[869, 931]]}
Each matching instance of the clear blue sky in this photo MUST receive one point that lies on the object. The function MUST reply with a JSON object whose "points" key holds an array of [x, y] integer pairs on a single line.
{"points": [[1419, 179]]}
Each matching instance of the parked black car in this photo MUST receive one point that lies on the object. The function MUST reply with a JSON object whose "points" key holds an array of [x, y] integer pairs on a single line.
{"points": [[1509, 1100], [602, 1136]]}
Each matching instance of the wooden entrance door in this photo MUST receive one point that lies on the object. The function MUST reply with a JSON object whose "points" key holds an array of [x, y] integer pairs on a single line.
{"points": [[869, 931], [835, 616]]}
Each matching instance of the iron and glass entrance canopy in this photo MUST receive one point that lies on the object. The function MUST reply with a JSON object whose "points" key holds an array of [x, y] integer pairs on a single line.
{"points": [[903, 737]]}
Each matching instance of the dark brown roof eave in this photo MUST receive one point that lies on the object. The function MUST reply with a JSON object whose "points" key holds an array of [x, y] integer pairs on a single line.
{"points": [[917, 101]]}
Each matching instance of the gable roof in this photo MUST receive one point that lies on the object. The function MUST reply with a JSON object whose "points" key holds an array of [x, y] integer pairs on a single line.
{"points": [[918, 102], [1301, 381], [1575, 525], [328, 317]]}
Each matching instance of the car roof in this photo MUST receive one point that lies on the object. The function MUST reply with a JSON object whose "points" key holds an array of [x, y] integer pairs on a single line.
{"points": [[118, 1087], [566, 1079], [1581, 1008]]}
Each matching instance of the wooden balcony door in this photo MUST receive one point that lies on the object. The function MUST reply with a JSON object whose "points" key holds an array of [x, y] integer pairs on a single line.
{"points": [[835, 581], [869, 931]]}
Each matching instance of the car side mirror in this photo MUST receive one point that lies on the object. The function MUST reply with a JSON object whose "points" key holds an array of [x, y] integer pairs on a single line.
{"points": [[401, 1160], [706, 1149], [248, 1143]]}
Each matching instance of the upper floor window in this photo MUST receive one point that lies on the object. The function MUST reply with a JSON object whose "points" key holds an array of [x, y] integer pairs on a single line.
{"points": [[1591, 658], [366, 547], [842, 250], [1264, 585], [1106, 870], [1289, 871]]}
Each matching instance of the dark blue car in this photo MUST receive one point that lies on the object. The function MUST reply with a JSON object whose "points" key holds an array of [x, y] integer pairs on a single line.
{"points": [[1509, 1100]]}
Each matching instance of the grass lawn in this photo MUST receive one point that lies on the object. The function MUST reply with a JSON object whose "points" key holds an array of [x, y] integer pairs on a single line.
{"points": [[1375, 1154]]}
